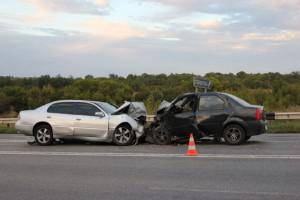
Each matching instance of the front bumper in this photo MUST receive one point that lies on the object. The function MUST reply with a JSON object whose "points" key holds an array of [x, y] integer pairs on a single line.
{"points": [[139, 131]]}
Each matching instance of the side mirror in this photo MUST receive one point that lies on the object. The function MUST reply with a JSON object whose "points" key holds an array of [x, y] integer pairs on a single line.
{"points": [[99, 114]]}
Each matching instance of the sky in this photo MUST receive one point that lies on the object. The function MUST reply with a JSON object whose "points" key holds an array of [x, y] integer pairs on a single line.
{"points": [[102, 37]]}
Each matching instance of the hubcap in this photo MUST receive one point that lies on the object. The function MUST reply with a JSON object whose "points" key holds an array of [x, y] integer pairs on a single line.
{"points": [[233, 134], [122, 135], [160, 135], [43, 135]]}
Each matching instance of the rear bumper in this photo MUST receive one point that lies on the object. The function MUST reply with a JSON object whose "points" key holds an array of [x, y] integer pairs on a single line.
{"points": [[257, 128], [24, 128]]}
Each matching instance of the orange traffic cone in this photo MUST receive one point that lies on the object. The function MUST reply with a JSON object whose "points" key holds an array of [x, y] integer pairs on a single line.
{"points": [[192, 151]]}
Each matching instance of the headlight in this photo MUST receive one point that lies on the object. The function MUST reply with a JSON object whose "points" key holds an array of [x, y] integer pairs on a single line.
{"points": [[140, 128]]}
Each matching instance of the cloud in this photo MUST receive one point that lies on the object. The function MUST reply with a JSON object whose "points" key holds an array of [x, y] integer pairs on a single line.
{"points": [[210, 24], [282, 36], [101, 28], [280, 14], [44, 8], [101, 2]]}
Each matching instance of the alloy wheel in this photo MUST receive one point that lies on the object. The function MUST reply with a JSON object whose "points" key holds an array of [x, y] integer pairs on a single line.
{"points": [[43, 135], [123, 135]]}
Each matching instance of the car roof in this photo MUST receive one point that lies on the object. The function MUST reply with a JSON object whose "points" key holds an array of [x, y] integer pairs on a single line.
{"points": [[202, 93], [77, 101]]}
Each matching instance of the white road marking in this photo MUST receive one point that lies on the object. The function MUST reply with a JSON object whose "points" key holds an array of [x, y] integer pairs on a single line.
{"points": [[12, 141], [153, 155], [224, 191], [283, 141]]}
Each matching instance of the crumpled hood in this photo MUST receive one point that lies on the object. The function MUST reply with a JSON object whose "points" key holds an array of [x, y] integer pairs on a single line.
{"points": [[163, 105], [136, 110]]}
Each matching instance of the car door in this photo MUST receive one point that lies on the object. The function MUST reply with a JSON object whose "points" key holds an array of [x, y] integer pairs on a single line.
{"points": [[87, 123], [60, 117], [211, 114], [180, 119]]}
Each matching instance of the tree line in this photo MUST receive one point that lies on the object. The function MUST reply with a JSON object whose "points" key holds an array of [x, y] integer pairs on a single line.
{"points": [[277, 92]]}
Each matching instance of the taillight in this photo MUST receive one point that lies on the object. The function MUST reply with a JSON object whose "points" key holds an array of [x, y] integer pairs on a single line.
{"points": [[259, 114]]}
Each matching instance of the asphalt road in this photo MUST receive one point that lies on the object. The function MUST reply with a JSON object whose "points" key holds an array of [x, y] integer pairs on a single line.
{"points": [[267, 167]]}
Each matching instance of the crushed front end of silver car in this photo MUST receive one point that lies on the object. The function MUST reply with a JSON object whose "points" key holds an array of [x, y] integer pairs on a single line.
{"points": [[138, 112]]}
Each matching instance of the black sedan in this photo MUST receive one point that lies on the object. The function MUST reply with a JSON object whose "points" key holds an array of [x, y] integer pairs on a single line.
{"points": [[212, 114]]}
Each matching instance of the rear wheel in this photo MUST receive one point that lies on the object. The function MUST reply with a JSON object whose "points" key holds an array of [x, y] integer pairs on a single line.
{"points": [[123, 135], [234, 134], [43, 135]]}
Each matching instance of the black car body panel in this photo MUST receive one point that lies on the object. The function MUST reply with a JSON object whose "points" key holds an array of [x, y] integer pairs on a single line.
{"points": [[208, 114]]}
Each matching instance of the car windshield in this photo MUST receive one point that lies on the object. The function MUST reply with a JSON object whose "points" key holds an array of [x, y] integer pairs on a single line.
{"points": [[238, 100], [108, 108]]}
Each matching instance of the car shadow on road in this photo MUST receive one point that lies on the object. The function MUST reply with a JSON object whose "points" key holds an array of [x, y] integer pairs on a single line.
{"points": [[202, 142]]}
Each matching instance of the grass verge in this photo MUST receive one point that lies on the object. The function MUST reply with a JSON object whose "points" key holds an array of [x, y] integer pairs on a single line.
{"points": [[7, 130], [284, 126]]}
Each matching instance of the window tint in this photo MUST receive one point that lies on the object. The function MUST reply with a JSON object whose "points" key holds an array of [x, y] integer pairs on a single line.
{"points": [[211, 103], [85, 109], [62, 108]]}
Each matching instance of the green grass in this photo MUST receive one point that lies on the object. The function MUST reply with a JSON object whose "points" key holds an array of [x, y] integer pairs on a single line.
{"points": [[284, 126], [8, 130]]}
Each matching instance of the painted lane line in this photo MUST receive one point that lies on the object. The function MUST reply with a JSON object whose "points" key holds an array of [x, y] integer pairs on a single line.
{"points": [[225, 191], [94, 154], [12, 141]]}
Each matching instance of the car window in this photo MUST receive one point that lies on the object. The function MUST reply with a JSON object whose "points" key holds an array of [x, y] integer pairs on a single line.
{"points": [[85, 109], [62, 108], [211, 103], [238, 100], [186, 104]]}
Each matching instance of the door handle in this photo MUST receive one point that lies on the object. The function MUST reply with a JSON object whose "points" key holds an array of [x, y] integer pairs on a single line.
{"points": [[49, 117], [78, 119]]}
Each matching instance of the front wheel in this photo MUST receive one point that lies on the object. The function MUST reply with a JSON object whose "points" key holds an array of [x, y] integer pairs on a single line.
{"points": [[123, 135], [161, 135], [43, 135], [234, 134]]}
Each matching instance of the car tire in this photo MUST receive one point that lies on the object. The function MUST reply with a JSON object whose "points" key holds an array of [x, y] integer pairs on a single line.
{"points": [[123, 135], [43, 135], [234, 134], [161, 135], [247, 138]]}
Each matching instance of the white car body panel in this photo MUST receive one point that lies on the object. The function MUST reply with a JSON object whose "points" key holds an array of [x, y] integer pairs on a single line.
{"points": [[91, 128]]}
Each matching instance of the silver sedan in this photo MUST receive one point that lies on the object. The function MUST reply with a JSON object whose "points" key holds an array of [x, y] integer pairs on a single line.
{"points": [[85, 120]]}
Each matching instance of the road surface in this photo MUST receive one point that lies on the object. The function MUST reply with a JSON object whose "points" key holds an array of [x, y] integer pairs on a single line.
{"points": [[267, 167]]}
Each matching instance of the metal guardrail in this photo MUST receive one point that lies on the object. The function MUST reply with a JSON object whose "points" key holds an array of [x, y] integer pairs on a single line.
{"points": [[287, 115], [277, 116], [9, 122], [150, 118]]}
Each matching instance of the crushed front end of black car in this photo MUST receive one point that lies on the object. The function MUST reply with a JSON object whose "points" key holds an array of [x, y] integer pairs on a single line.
{"points": [[212, 114]]}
